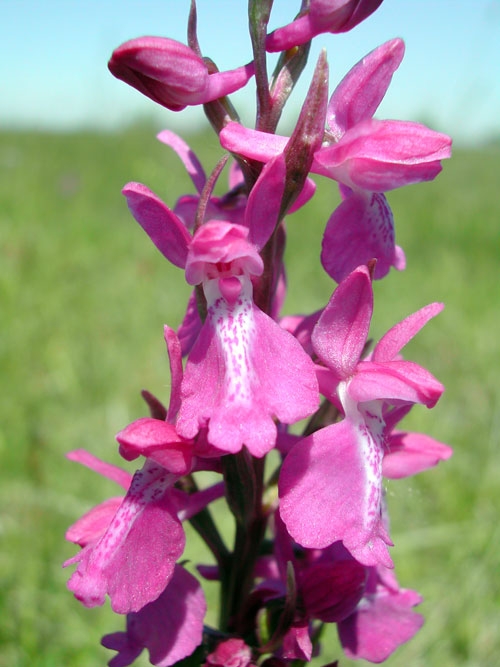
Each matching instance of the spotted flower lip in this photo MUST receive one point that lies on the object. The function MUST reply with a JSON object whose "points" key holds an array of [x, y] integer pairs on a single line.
{"points": [[172, 74], [144, 522], [230, 379]]}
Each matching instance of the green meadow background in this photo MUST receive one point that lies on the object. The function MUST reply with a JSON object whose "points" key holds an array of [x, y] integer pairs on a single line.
{"points": [[84, 296]]}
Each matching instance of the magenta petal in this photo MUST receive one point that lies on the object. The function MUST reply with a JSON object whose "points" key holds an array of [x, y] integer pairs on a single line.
{"points": [[382, 155], [175, 359], [253, 144], [323, 16], [189, 159], [394, 381], [157, 440], [116, 474], [218, 242], [341, 15], [92, 525], [340, 334], [331, 591], [135, 558], [243, 371], [384, 621], [410, 453], [190, 326], [305, 195], [221, 84], [297, 643], [330, 490], [264, 202], [231, 652], [400, 334], [294, 34], [358, 95], [171, 73], [162, 226], [166, 71], [195, 502], [170, 628], [128, 649], [360, 229]]}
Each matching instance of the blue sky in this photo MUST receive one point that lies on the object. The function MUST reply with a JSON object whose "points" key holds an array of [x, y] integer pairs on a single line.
{"points": [[54, 55]]}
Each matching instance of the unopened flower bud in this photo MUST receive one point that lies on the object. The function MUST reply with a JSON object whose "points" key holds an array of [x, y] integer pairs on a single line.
{"points": [[172, 74], [323, 16]]}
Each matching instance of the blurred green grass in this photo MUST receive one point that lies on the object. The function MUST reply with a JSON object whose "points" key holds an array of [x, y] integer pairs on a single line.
{"points": [[84, 296]]}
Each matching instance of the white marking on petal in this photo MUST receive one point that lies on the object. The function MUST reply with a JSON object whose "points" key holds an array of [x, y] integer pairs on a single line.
{"points": [[148, 485], [367, 417], [234, 328]]}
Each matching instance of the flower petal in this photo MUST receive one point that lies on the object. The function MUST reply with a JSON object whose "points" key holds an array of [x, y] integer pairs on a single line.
{"points": [[135, 558], [358, 95], [92, 525], [170, 628], [264, 202], [382, 622], [401, 333], [382, 155], [217, 242], [410, 453], [243, 371], [188, 157], [360, 229], [175, 359], [158, 440], [253, 144], [330, 490], [116, 474], [340, 334], [331, 591], [395, 381], [162, 226]]}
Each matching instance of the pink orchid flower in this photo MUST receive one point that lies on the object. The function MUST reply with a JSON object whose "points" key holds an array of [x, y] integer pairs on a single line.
{"points": [[229, 208], [383, 620], [331, 481], [170, 627], [115, 540], [172, 74], [366, 157], [244, 369], [115, 535], [323, 16]]}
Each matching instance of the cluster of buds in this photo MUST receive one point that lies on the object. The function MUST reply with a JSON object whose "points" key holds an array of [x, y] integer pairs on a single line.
{"points": [[311, 539]]}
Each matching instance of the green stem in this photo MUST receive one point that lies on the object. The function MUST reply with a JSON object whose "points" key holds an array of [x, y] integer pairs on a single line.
{"points": [[238, 576]]}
